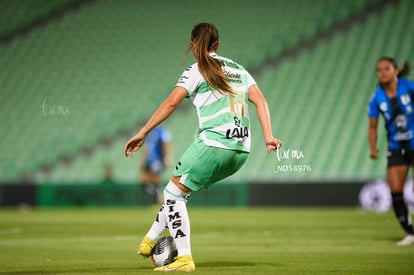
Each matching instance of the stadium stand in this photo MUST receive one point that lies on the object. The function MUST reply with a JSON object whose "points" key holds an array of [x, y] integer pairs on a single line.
{"points": [[324, 94], [17, 15], [75, 89]]}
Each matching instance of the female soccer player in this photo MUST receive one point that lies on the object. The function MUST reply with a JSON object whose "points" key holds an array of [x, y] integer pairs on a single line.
{"points": [[218, 88], [157, 154], [394, 99]]}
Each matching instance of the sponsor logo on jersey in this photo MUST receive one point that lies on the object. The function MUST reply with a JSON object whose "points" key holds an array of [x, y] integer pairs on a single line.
{"points": [[233, 77], [237, 132]]}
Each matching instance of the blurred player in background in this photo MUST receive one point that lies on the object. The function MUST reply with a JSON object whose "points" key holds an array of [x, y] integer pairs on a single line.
{"points": [[157, 156], [394, 99], [219, 89]]}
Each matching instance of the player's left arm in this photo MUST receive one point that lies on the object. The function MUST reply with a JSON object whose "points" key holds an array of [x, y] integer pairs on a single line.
{"points": [[258, 99], [163, 112]]}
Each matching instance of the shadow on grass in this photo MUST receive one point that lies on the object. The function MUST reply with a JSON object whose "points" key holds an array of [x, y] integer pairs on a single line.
{"points": [[232, 264], [103, 270], [84, 271], [391, 240]]}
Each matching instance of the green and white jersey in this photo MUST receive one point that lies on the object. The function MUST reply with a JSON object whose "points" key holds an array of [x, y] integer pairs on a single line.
{"points": [[223, 118]]}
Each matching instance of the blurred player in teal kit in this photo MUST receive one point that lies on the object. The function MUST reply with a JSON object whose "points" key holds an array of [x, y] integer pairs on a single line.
{"points": [[157, 156], [394, 99]]}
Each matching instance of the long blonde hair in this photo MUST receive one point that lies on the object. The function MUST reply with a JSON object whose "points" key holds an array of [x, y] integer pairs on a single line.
{"points": [[204, 39]]}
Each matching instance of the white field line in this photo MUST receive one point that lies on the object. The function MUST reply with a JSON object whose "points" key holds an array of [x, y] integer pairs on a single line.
{"points": [[69, 240], [85, 239]]}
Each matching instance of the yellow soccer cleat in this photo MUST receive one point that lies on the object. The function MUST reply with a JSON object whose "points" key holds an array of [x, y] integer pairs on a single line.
{"points": [[145, 247], [181, 263]]}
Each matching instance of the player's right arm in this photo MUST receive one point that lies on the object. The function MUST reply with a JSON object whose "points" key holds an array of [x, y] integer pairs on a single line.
{"points": [[372, 134], [373, 114], [163, 112], [256, 97]]}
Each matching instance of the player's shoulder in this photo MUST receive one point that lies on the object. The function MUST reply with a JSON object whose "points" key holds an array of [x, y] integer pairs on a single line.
{"points": [[379, 90], [191, 72], [405, 81], [376, 95], [190, 75], [192, 68]]}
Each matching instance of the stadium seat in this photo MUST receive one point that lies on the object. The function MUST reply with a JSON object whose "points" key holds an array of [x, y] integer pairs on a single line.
{"points": [[111, 63]]}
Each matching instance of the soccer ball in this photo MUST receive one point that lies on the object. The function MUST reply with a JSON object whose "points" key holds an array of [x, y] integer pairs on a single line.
{"points": [[164, 251]]}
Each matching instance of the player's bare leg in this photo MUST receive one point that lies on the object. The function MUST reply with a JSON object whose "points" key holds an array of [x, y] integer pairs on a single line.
{"points": [[396, 176]]}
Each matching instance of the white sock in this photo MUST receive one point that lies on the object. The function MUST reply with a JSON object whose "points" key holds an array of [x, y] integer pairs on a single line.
{"points": [[160, 222], [159, 225], [177, 217]]}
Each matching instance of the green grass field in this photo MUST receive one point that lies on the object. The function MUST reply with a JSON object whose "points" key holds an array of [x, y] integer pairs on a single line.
{"points": [[224, 241]]}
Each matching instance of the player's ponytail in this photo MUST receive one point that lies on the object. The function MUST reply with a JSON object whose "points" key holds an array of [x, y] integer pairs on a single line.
{"points": [[204, 40], [405, 70]]}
